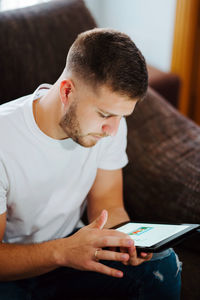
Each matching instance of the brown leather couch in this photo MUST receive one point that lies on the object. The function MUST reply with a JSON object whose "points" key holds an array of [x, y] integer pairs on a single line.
{"points": [[166, 84], [162, 180]]}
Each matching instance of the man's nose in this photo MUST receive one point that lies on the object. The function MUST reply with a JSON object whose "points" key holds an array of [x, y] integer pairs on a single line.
{"points": [[111, 126]]}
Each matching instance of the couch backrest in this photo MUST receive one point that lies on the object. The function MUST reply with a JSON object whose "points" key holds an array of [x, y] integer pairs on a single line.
{"points": [[34, 42]]}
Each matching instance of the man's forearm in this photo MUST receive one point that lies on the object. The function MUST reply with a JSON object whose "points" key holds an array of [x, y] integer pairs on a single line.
{"points": [[22, 261], [76, 251]]}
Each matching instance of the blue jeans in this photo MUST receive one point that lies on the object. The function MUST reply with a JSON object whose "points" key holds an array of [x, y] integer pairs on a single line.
{"points": [[159, 278]]}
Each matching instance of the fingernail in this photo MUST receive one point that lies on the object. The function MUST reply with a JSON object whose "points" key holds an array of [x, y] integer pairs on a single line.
{"points": [[119, 274], [130, 242], [124, 256]]}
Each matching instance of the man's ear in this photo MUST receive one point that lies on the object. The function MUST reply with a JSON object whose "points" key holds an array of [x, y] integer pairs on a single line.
{"points": [[66, 87]]}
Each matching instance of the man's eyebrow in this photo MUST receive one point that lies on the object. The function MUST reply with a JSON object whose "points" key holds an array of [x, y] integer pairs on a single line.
{"points": [[111, 114]]}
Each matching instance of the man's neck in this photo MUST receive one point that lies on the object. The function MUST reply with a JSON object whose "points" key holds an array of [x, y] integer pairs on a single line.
{"points": [[47, 113]]}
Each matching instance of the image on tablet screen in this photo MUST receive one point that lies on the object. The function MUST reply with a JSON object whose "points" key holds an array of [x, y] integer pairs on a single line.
{"points": [[140, 230]]}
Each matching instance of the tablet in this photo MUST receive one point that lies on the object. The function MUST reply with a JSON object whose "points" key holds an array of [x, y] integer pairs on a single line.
{"points": [[150, 237]]}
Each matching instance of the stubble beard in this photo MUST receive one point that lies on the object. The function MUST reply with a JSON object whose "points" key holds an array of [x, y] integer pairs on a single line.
{"points": [[70, 125]]}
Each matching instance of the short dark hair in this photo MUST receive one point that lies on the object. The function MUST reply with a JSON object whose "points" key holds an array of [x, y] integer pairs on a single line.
{"points": [[107, 56]]}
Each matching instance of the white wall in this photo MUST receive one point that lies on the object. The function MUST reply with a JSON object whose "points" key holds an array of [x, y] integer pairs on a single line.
{"points": [[12, 4], [150, 23]]}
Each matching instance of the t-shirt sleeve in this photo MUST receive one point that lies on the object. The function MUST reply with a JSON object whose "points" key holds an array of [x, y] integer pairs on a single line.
{"points": [[3, 188], [113, 149]]}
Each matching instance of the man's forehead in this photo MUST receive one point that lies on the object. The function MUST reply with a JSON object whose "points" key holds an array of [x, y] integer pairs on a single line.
{"points": [[105, 99], [114, 104]]}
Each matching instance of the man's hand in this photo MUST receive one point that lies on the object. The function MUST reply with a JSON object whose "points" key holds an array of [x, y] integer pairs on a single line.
{"points": [[134, 258], [83, 250]]}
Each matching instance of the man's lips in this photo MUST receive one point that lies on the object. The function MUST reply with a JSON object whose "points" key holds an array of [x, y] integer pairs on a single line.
{"points": [[97, 137]]}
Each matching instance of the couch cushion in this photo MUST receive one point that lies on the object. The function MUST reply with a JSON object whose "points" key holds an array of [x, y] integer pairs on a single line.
{"points": [[162, 179], [34, 42]]}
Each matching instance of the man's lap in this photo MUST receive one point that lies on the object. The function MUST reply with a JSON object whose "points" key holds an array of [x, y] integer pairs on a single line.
{"points": [[158, 278]]}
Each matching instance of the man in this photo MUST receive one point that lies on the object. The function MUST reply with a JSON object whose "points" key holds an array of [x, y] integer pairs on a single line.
{"points": [[59, 146]]}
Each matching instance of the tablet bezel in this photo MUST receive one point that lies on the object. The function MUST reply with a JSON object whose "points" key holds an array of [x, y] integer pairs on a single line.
{"points": [[167, 242]]}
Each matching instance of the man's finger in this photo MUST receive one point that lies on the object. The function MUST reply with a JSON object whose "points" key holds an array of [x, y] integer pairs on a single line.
{"points": [[100, 221], [116, 233], [111, 241], [98, 267], [110, 255], [136, 260], [148, 256]]}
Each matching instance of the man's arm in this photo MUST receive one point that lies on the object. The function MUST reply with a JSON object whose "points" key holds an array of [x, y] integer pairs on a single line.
{"points": [[22, 261], [18, 261], [107, 193]]}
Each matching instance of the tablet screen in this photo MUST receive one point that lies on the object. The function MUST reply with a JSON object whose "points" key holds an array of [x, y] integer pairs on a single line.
{"points": [[147, 235]]}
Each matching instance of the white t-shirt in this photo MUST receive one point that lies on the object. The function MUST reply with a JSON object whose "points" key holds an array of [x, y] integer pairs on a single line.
{"points": [[44, 181]]}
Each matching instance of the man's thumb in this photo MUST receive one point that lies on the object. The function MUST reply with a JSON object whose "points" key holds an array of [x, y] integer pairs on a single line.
{"points": [[100, 221]]}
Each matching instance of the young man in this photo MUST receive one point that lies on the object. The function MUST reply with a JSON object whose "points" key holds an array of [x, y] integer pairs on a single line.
{"points": [[59, 146]]}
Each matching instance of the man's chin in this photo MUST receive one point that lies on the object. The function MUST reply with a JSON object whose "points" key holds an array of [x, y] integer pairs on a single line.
{"points": [[87, 141]]}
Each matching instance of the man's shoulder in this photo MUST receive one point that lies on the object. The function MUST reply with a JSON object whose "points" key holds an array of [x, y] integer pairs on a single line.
{"points": [[11, 115], [12, 106], [9, 109]]}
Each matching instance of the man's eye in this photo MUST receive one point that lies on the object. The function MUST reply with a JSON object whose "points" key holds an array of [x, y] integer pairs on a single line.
{"points": [[103, 116]]}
